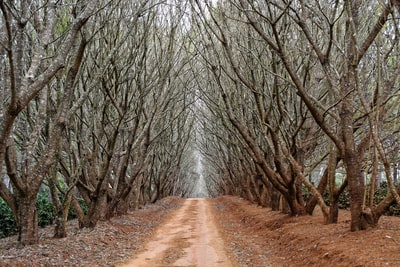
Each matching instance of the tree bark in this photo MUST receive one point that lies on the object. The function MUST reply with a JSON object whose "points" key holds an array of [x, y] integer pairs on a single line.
{"points": [[27, 220], [60, 229]]}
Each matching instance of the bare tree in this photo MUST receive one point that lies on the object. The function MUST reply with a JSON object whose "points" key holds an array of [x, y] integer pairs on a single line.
{"points": [[327, 81], [39, 39]]}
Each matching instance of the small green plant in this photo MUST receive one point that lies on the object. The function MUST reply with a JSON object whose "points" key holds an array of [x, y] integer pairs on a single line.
{"points": [[45, 208], [8, 225], [72, 213], [380, 194], [344, 199]]}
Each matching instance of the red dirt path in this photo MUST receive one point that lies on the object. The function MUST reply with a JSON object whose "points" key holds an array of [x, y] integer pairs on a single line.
{"points": [[188, 238], [186, 231]]}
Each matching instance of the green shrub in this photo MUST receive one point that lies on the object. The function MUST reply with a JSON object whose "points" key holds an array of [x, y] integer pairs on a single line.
{"points": [[344, 199], [45, 208], [45, 211], [72, 213], [380, 194], [8, 225]]}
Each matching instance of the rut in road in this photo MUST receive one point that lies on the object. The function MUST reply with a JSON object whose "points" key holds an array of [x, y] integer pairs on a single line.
{"points": [[188, 238]]}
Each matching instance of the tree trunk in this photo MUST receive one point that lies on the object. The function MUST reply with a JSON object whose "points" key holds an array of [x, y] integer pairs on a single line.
{"points": [[97, 211], [257, 187], [356, 189], [351, 160], [247, 187], [295, 208], [264, 201], [155, 196], [119, 204], [284, 205], [313, 201], [80, 214], [138, 193], [275, 199], [333, 211], [372, 216], [27, 220], [373, 183], [333, 194], [348, 84], [60, 222], [60, 230], [124, 204]]}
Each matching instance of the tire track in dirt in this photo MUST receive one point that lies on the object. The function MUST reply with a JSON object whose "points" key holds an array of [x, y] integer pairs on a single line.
{"points": [[188, 238]]}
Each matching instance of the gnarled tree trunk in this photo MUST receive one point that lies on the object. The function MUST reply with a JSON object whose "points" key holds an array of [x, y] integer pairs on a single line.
{"points": [[27, 220]]}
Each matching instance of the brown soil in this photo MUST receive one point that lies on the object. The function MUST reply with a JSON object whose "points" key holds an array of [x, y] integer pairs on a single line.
{"points": [[188, 238], [261, 237], [108, 243], [247, 235]]}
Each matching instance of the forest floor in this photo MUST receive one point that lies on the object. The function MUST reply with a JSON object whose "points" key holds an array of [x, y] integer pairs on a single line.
{"points": [[225, 231], [261, 237]]}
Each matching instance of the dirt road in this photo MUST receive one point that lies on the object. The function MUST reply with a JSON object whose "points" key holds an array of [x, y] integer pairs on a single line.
{"points": [[180, 232], [188, 238]]}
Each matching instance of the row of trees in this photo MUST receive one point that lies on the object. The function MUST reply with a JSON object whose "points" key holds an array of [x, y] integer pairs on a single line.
{"points": [[300, 88], [115, 102], [94, 105]]}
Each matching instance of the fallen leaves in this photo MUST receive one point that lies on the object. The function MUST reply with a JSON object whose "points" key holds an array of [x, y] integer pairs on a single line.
{"points": [[261, 237], [107, 244]]}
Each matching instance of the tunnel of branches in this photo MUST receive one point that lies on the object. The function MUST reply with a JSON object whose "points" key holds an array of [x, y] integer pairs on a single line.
{"points": [[110, 105]]}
